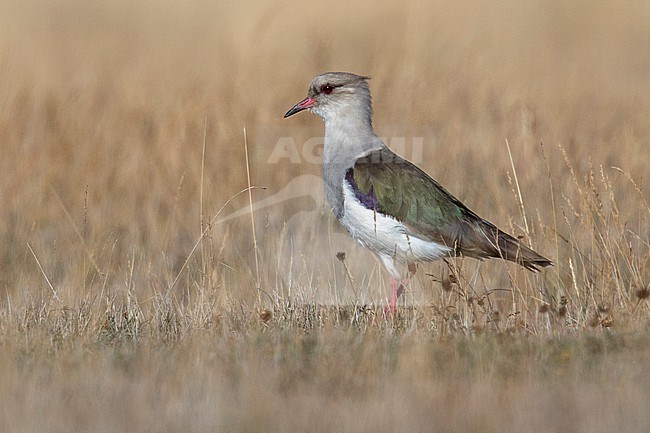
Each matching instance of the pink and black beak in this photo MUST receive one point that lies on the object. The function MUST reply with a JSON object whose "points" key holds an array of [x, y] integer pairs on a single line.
{"points": [[306, 103]]}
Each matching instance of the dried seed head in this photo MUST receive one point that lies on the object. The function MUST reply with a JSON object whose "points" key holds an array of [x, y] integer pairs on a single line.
{"points": [[643, 293], [341, 256], [448, 282], [266, 315], [364, 309], [563, 303], [543, 308]]}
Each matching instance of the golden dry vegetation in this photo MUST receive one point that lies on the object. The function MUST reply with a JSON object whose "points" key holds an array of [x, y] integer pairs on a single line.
{"points": [[137, 297]]}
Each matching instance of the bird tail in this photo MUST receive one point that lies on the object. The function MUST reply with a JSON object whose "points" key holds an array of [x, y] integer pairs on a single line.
{"points": [[509, 248], [493, 242]]}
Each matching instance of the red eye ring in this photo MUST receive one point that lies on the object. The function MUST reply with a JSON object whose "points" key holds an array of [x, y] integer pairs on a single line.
{"points": [[326, 89]]}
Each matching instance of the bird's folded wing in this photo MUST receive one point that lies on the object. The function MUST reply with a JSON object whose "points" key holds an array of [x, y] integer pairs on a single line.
{"points": [[393, 186]]}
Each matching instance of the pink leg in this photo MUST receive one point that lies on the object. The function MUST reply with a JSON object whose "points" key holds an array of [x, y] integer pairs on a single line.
{"points": [[396, 290]]}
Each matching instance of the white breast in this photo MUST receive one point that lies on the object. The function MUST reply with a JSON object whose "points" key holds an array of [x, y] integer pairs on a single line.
{"points": [[385, 235]]}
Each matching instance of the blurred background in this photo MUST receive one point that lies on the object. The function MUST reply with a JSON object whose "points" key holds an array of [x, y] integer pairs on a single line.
{"points": [[122, 140]]}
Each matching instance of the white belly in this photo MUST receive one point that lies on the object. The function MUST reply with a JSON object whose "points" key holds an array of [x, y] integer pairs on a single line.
{"points": [[385, 235]]}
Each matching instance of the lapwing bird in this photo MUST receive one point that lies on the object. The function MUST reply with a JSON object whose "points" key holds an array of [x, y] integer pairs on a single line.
{"points": [[385, 202]]}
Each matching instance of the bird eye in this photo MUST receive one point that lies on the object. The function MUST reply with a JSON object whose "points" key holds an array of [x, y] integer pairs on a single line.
{"points": [[326, 89]]}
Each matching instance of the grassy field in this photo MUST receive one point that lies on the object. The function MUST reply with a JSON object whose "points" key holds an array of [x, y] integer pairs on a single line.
{"points": [[140, 293]]}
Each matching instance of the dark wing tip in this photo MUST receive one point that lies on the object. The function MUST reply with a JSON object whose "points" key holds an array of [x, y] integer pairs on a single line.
{"points": [[537, 264], [510, 248]]}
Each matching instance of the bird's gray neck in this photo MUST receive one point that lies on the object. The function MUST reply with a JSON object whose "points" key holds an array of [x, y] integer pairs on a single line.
{"points": [[347, 138]]}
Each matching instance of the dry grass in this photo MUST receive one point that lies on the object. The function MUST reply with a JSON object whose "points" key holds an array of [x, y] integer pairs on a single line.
{"points": [[121, 134]]}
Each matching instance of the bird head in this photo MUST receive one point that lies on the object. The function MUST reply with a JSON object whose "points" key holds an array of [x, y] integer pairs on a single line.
{"points": [[336, 94]]}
